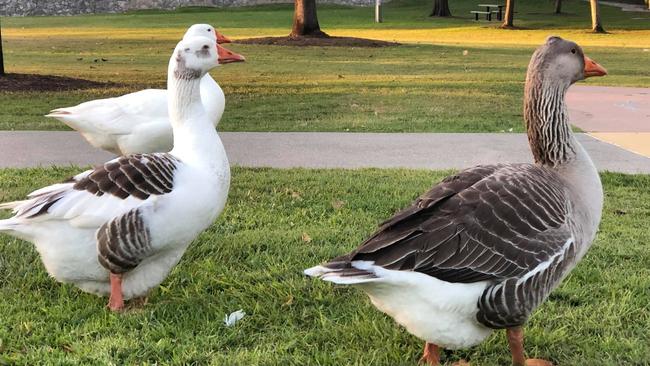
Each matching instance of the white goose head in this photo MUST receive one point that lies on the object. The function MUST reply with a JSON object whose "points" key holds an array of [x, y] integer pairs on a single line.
{"points": [[206, 30], [194, 57]]}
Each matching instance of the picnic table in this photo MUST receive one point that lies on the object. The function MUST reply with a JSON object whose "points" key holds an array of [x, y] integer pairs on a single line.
{"points": [[498, 10]]}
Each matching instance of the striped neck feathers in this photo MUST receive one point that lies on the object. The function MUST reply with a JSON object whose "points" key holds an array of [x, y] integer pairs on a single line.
{"points": [[547, 121]]}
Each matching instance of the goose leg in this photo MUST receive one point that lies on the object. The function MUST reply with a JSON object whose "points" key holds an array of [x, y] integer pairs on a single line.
{"points": [[431, 354], [516, 342], [116, 300]]}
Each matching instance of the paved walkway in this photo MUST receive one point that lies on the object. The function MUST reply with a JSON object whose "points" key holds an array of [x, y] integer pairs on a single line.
{"points": [[326, 150], [609, 109], [617, 121], [625, 6], [618, 115]]}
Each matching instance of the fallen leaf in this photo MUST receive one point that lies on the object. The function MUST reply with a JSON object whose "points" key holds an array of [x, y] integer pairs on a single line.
{"points": [[306, 238], [289, 301], [67, 348], [337, 204]]}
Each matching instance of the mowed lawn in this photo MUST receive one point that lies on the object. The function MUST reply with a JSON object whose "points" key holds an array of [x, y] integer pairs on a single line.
{"points": [[451, 75], [278, 222]]}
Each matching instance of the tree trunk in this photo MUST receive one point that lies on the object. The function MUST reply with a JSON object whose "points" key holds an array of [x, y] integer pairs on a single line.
{"points": [[508, 19], [440, 9], [558, 6], [2, 60], [305, 21], [596, 26]]}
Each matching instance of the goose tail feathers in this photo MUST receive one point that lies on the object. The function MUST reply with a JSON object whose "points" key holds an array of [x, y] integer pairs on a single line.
{"points": [[7, 225], [64, 115], [58, 113], [10, 205], [345, 272]]}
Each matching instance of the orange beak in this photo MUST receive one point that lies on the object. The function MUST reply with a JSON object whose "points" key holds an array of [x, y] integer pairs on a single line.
{"points": [[221, 38], [592, 68], [226, 56]]}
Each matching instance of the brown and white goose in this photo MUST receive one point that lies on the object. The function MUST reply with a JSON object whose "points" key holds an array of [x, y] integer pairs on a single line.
{"points": [[120, 228], [483, 248]]}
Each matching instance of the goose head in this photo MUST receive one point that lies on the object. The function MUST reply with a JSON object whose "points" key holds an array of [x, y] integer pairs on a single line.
{"points": [[206, 30], [195, 56], [562, 62], [553, 68]]}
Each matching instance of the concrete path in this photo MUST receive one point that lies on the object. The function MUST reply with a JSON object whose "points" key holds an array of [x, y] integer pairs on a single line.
{"points": [[625, 6], [618, 115], [609, 109], [326, 150]]}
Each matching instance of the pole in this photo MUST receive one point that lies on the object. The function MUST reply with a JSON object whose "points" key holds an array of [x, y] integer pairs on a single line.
{"points": [[379, 16], [2, 61]]}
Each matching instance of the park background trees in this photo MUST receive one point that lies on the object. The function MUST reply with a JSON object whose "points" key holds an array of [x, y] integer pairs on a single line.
{"points": [[596, 25], [440, 8], [305, 20]]}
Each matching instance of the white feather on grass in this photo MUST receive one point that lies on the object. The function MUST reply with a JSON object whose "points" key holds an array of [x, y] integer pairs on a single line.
{"points": [[234, 317]]}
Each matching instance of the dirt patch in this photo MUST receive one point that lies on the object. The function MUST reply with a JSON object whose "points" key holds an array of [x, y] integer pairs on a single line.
{"points": [[35, 82], [318, 41]]}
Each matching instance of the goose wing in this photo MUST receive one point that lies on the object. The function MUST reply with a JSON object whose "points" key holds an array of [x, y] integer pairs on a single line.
{"points": [[96, 196]]}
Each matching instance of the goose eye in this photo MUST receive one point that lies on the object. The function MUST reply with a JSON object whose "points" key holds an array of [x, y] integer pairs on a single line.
{"points": [[205, 46], [573, 50], [187, 49], [209, 30]]}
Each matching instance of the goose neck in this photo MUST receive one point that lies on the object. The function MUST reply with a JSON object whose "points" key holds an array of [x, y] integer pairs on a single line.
{"points": [[547, 122], [184, 100], [212, 98]]}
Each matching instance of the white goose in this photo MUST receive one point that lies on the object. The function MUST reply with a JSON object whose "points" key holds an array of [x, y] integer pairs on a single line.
{"points": [[120, 228], [483, 248], [139, 122]]}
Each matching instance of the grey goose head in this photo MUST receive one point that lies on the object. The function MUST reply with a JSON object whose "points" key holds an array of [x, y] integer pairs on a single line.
{"points": [[206, 30], [195, 56], [562, 61], [553, 68]]}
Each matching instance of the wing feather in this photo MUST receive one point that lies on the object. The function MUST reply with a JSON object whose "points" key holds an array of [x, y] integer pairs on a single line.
{"points": [[101, 194]]}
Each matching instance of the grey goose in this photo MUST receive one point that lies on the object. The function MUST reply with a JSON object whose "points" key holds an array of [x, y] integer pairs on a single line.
{"points": [[485, 247]]}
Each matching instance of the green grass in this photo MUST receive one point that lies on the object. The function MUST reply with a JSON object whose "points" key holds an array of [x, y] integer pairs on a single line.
{"points": [[252, 258], [425, 85]]}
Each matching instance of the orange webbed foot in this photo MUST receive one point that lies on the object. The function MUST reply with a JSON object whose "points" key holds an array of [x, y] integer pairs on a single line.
{"points": [[538, 362]]}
